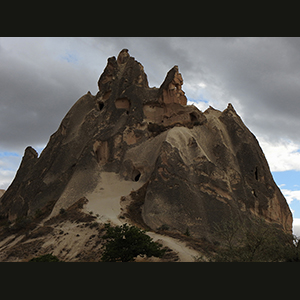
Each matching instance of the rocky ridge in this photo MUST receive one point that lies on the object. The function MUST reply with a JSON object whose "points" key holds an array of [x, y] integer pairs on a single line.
{"points": [[143, 156]]}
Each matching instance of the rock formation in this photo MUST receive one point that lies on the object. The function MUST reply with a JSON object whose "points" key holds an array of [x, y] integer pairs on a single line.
{"points": [[141, 155]]}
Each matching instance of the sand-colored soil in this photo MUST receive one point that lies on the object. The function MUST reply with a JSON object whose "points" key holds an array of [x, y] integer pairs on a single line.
{"points": [[185, 253], [105, 199]]}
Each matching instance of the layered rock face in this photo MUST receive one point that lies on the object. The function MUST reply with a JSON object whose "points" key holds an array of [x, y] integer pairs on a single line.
{"points": [[187, 168]]}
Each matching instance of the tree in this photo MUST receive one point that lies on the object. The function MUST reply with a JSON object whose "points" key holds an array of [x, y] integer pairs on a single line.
{"points": [[254, 240], [124, 243]]}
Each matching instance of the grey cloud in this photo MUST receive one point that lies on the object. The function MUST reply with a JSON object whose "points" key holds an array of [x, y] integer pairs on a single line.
{"points": [[260, 76], [35, 97]]}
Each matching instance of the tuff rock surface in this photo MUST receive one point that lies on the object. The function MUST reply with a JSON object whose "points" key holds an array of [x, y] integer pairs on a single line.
{"points": [[180, 167]]}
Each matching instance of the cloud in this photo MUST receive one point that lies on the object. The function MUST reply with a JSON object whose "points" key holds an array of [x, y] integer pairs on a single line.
{"points": [[41, 78], [283, 155], [291, 195], [259, 76], [6, 178], [201, 105], [37, 88], [296, 226], [9, 162]]}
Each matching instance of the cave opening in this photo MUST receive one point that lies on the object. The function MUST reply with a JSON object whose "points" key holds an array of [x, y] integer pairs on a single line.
{"points": [[256, 173], [136, 175], [193, 117], [101, 105]]}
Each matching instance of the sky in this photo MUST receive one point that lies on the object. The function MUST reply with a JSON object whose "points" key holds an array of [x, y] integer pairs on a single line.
{"points": [[42, 77]]}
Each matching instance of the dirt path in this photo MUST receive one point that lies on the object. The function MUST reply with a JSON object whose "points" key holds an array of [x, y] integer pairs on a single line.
{"points": [[184, 252]]}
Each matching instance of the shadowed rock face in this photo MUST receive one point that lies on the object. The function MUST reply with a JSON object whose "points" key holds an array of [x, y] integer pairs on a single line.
{"points": [[194, 168]]}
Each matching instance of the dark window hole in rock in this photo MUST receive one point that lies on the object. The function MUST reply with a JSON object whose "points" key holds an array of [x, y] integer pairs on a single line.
{"points": [[193, 117], [256, 173], [101, 105], [136, 175]]}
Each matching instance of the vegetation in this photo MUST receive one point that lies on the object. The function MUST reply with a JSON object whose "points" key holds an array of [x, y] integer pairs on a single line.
{"points": [[21, 223], [254, 241], [124, 243], [62, 211], [163, 227], [45, 258], [187, 232]]}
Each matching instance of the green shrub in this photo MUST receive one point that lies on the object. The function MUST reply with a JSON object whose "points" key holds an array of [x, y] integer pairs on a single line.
{"points": [[187, 232], [124, 243], [45, 258], [21, 223], [94, 225], [62, 211], [163, 227]]}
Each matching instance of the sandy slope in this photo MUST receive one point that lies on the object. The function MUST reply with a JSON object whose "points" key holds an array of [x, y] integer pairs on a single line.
{"points": [[105, 199], [105, 202], [73, 241]]}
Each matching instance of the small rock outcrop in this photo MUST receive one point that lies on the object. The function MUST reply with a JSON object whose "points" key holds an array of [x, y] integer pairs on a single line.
{"points": [[132, 146], [170, 91]]}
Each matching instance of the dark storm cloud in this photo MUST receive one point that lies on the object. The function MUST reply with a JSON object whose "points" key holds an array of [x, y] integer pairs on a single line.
{"points": [[260, 76], [36, 91], [41, 78]]}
